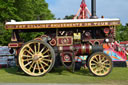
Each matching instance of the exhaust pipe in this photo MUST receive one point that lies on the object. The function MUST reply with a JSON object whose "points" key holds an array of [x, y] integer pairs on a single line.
{"points": [[93, 9]]}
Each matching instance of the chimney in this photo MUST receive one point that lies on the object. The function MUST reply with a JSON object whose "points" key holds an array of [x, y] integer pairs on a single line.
{"points": [[93, 9]]}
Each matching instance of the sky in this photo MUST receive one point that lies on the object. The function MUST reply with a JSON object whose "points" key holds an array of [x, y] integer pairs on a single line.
{"points": [[107, 8]]}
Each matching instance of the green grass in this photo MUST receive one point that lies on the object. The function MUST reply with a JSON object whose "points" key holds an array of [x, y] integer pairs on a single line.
{"points": [[117, 76]]}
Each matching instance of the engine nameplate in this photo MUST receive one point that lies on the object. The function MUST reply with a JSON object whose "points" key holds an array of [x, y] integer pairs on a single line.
{"points": [[64, 41]]}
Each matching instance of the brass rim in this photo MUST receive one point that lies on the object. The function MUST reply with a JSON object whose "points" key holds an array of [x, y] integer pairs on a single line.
{"points": [[36, 58], [100, 64]]}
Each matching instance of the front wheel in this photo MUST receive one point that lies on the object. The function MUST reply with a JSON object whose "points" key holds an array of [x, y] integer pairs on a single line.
{"points": [[36, 58], [100, 64]]}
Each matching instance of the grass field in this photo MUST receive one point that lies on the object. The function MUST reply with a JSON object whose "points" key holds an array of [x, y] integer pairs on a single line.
{"points": [[119, 76]]}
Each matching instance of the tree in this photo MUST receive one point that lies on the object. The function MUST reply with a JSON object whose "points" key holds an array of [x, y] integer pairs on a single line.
{"points": [[7, 10], [5, 35], [33, 10], [22, 10], [69, 17], [41, 10], [121, 33]]}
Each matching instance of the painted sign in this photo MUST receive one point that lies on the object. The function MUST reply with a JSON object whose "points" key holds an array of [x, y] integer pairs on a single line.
{"points": [[62, 25], [64, 41]]}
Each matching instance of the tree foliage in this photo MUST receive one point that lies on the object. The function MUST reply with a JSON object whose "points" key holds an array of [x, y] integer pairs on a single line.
{"points": [[22, 10], [69, 17], [122, 33], [7, 10], [5, 35]]}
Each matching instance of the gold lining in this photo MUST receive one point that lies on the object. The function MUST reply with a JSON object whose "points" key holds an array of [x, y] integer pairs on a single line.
{"points": [[63, 25], [64, 44]]}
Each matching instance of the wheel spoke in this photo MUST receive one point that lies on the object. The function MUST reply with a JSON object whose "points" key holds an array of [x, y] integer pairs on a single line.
{"points": [[35, 47], [47, 60], [27, 56], [94, 68], [93, 64], [99, 57], [30, 49], [34, 68], [107, 64], [96, 58], [27, 59], [45, 52], [43, 57], [94, 61], [38, 47], [38, 66], [106, 68], [46, 56], [97, 70], [31, 65], [28, 63], [105, 61], [44, 63], [42, 66], [42, 49], [102, 71], [28, 52]]}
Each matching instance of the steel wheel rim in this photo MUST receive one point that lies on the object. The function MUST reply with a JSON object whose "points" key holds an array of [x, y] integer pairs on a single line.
{"points": [[35, 58], [100, 64]]}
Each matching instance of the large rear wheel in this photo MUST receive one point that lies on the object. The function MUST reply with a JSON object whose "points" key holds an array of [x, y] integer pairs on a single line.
{"points": [[100, 64], [36, 58]]}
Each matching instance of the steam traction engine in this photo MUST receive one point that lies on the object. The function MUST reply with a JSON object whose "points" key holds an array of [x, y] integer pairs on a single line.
{"points": [[73, 42]]}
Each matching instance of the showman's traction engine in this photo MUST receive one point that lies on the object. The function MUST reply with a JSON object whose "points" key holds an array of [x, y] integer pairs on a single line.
{"points": [[72, 43]]}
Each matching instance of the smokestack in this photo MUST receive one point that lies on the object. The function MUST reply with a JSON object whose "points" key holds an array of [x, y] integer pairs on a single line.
{"points": [[93, 9]]}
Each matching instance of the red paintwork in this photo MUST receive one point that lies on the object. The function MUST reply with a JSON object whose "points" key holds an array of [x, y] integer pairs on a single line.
{"points": [[63, 41], [79, 49], [114, 47], [15, 45], [67, 48], [122, 54], [125, 45], [66, 56], [124, 42], [106, 30], [93, 41], [53, 42]]}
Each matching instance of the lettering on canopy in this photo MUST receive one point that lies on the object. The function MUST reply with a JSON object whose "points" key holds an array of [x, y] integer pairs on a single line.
{"points": [[62, 25]]}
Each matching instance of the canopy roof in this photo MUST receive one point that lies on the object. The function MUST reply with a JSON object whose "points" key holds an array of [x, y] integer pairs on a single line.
{"points": [[62, 23]]}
